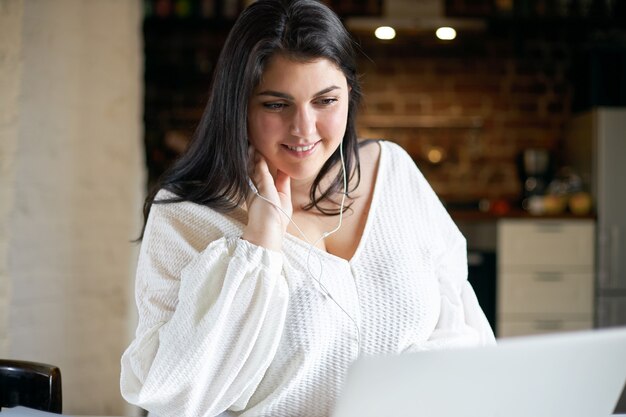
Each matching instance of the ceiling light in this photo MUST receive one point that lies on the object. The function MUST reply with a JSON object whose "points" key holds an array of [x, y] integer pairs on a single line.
{"points": [[446, 33], [385, 32]]}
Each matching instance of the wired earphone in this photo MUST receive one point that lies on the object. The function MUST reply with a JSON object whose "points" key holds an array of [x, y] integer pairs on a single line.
{"points": [[318, 279]]}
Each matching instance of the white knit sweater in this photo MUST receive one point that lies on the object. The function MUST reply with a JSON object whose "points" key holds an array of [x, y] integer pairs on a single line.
{"points": [[227, 325]]}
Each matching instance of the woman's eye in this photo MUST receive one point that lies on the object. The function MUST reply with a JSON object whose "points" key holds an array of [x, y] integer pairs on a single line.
{"points": [[274, 106], [327, 101]]}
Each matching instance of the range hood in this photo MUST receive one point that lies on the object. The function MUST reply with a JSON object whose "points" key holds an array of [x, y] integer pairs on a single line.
{"points": [[414, 16]]}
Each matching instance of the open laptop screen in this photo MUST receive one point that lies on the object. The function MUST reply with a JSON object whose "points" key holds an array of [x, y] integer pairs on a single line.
{"points": [[578, 374]]}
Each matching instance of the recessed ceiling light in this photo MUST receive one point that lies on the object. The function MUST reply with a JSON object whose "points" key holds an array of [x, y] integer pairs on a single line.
{"points": [[385, 32], [446, 33]]}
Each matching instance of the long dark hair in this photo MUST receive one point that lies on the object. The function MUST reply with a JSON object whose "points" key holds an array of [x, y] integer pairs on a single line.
{"points": [[213, 171]]}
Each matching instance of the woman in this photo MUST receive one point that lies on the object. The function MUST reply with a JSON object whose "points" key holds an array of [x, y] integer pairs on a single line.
{"points": [[279, 248]]}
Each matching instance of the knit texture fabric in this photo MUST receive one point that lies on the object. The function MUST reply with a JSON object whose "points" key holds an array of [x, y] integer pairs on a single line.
{"points": [[226, 326]]}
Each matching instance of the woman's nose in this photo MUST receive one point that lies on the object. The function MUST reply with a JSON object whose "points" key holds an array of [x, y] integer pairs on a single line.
{"points": [[303, 123]]}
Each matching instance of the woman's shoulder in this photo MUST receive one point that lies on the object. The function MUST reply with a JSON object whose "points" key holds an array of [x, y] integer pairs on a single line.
{"points": [[167, 203], [374, 148], [190, 218], [396, 152], [164, 195], [399, 169], [369, 151], [389, 154]]}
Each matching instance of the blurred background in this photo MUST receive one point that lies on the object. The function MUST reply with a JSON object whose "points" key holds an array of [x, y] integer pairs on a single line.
{"points": [[515, 113]]}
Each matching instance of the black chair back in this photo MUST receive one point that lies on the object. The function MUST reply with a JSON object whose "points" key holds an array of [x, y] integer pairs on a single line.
{"points": [[30, 384]]}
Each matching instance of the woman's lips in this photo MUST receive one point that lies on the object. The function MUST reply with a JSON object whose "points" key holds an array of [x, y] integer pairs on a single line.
{"points": [[301, 150]]}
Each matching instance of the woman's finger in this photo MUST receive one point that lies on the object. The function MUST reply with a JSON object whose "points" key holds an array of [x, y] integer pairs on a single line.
{"points": [[283, 183]]}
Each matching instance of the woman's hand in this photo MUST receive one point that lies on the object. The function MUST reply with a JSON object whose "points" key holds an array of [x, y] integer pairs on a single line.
{"points": [[267, 224]]}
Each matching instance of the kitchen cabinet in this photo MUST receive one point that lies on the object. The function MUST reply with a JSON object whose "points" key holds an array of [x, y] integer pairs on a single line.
{"points": [[545, 275]]}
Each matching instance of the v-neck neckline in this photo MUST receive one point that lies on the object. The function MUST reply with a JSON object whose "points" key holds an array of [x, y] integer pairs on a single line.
{"points": [[368, 222]]}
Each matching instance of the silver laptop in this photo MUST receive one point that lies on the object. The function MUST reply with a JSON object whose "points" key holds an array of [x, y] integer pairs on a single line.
{"points": [[577, 374]]}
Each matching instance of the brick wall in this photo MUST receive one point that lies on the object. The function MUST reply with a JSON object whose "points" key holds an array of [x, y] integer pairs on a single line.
{"points": [[477, 103], [484, 97]]}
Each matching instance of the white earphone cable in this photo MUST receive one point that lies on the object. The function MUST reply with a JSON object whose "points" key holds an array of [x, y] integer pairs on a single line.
{"points": [[324, 235]]}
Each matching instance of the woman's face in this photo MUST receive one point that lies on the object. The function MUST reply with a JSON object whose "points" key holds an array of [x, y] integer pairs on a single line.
{"points": [[297, 115]]}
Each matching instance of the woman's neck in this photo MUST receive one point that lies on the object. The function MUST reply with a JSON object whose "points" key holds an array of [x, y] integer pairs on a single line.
{"points": [[301, 192]]}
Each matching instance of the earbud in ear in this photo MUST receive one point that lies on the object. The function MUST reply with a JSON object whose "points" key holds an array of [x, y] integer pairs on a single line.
{"points": [[252, 186]]}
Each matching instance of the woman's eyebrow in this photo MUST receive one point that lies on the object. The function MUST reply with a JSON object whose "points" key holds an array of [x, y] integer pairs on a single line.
{"points": [[275, 94], [289, 97], [326, 90]]}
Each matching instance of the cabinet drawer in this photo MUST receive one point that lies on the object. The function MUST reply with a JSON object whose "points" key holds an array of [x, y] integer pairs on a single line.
{"points": [[545, 242], [532, 327], [545, 291]]}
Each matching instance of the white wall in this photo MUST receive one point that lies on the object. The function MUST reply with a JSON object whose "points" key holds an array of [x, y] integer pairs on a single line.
{"points": [[71, 188], [10, 69]]}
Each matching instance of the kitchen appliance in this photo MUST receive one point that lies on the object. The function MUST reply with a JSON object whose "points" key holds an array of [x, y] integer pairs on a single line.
{"points": [[595, 147], [535, 166]]}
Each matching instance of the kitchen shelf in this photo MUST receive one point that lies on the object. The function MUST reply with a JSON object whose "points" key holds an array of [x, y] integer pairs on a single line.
{"points": [[375, 121], [477, 215]]}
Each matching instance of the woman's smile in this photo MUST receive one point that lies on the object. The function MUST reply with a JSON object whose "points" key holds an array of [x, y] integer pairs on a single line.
{"points": [[301, 151]]}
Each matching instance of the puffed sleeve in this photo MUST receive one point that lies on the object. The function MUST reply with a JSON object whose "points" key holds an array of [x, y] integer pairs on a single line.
{"points": [[210, 320], [461, 322]]}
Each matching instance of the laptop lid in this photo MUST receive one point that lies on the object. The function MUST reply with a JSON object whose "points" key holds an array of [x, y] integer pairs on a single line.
{"points": [[577, 374]]}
